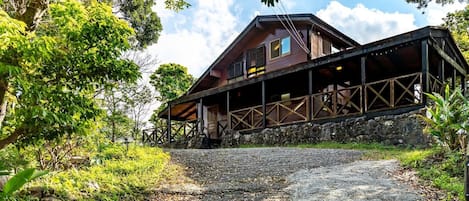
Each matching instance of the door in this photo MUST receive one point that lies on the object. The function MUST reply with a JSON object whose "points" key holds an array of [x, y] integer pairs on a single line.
{"points": [[212, 121]]}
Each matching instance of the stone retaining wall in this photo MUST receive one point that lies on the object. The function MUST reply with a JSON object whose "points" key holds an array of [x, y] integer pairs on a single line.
{"points": [[404, 129]]}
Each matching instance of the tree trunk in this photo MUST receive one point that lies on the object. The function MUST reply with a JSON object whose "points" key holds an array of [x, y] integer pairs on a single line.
{"points": [[30, 12], [11, 138], [3, 102]]}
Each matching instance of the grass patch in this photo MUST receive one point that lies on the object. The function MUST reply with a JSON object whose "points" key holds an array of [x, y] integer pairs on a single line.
{"points": [[120, 176]]}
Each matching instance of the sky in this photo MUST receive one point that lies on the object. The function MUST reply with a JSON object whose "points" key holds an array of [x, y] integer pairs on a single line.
{"points": [[196, 36]]}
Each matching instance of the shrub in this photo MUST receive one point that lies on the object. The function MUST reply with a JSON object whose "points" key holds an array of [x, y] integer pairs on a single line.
{"points": [[447, 119]]}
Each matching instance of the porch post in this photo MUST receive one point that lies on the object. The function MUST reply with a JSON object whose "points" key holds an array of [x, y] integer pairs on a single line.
{"points": [[425, 66], [363, 98], [310, 94], [168, 133], [453, 81], [441, 71], [200, 115], [264, 125], [228, 121], [463, 84]]}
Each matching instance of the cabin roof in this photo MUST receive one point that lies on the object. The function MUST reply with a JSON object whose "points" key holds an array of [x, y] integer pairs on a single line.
{"points": [[259, 21]]}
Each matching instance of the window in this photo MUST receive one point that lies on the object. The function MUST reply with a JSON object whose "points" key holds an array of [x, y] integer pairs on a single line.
{"points": [[255, 61], [280, 47], [235, 70]]}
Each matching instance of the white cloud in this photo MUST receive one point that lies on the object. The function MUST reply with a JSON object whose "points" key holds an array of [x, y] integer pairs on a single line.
{"points": [[435, 13], [197, 39], [365, 24]]}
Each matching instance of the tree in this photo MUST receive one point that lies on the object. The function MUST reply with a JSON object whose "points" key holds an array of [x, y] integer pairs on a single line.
{"points": [[171, 81], [53, 69], [458, 24], [138, 13], [137, 99]]}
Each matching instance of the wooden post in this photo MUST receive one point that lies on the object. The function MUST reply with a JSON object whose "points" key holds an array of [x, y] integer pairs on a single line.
{"points": [[363, 97], [425, 68], [200, 114], [453, 80], [264, 122], [228, 122], [310, 94], [463, 84], [168, 133]]}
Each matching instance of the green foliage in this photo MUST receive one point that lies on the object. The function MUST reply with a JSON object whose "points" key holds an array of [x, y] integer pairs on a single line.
{"points": [[445, 170], [141, 17], [171, 81], [447, 119], [458, 24], [122, 176], [19, 180], [61, 64]]}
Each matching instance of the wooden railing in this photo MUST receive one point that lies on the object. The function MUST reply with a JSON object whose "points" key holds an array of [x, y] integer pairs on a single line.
{"points": [[287, 111], [181, 131], [385, 94], [247, 118], [435, 84], [394, 92], [340, 102]]}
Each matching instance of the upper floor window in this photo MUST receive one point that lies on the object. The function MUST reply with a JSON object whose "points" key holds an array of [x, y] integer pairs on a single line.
{"points": [[235, 70], [280, 47], [255, 61]]}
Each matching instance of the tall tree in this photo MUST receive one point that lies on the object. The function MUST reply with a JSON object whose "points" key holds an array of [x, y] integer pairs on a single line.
{"points": [[53, 69], [458, 23], [171, 81]]}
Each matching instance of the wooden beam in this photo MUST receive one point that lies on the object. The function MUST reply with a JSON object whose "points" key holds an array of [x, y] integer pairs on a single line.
{"points": [[185, 109], [168, 133], [463, 84], [310, 93], [363, 82], [264, 122], [200, 115], [228, 109], [447, 58], [453, 80], [425, 69]]}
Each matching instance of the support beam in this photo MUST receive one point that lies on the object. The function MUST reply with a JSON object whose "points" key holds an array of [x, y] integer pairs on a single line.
{"points": [[425, 68], [264, 122], [463, 84], [363, 82], [168, 133], [310, 93], [453, 80], [448, 59], [228, 122], [441, 71], [200, 116]]}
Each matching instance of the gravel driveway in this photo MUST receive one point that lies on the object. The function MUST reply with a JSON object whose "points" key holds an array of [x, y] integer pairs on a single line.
{"points": [[283, 174]]}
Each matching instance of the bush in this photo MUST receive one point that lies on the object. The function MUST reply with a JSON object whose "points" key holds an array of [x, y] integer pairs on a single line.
{"points": [[447, 119]]}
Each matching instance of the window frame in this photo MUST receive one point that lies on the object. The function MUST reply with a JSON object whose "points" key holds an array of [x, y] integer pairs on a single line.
{"points": [[280, 48], [232, 66]]}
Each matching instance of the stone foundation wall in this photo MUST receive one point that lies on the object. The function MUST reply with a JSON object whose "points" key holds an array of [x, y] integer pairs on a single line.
{"points": [[404, 129]]}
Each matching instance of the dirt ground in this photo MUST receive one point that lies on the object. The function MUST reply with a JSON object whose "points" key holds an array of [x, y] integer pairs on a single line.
{"points": [[288, 174]]}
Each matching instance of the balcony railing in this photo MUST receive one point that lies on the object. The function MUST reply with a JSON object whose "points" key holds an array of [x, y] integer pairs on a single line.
{"points": [[387, 94]]}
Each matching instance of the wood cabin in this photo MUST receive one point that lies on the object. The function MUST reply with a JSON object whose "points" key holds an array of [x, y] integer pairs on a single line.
{"points": [[271, 76]]}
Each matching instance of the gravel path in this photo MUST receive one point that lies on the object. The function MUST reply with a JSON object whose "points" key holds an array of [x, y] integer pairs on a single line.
{"points": [[283, 174]]}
